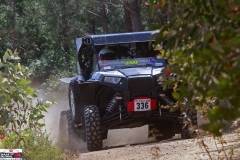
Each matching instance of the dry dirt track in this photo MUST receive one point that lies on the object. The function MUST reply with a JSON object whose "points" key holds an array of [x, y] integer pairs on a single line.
{"points": [[171, 150], [166, 150]]}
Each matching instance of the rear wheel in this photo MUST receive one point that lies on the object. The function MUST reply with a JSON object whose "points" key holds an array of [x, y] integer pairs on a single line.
{"points": [[66, 130], [68, 137], [161, 132], [168, 134], [92, 126], [186, 133], [189, 124], [75, 113]]}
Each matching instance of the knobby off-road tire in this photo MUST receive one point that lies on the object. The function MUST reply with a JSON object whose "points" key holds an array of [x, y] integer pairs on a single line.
{"points": [[161, 133], [66, 130], [75, 111], [194, 117], [70, 137], [92, 126], [71, 130], [188, 130], [186, 134]]}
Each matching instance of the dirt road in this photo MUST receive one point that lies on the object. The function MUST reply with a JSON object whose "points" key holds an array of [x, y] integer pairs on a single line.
{"points": [[175, 149], [169, 150]]}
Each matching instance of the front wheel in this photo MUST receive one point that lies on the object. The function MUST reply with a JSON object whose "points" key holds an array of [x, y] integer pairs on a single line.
{"points": [[92, 126]]}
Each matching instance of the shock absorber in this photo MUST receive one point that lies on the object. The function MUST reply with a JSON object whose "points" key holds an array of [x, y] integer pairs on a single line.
{"points": [[113, 104]]}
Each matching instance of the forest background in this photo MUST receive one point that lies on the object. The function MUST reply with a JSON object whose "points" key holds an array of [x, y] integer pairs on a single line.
{"points": [[201, 39]]}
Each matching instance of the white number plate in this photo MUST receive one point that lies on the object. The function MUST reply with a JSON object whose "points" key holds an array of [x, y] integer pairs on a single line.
{"points": [[142, 104]]}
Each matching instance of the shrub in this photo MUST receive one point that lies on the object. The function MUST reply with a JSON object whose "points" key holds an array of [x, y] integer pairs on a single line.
{"points": [[35, 145], [20, 116], [201, 40]]}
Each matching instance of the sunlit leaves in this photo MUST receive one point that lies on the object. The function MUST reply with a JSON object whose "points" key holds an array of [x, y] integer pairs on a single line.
{"points": [[17, 110], [202, 43]]}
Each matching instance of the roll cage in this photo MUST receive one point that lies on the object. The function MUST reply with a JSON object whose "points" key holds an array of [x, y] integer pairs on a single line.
{"points": [[89, 46]]}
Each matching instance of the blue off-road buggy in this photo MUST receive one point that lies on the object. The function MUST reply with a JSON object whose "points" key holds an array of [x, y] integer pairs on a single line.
{"points": [[119, 85]]}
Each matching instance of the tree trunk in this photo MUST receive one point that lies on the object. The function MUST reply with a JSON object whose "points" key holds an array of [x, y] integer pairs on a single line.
{"points": [[91, 17], [133, 10], [104, 17], [64, 32], [92, 28], [12, 23], [127, 18]]}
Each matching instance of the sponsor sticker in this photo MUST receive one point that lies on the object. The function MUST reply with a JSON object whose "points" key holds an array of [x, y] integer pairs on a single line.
{"points": [[131, 62], [11, 154]]}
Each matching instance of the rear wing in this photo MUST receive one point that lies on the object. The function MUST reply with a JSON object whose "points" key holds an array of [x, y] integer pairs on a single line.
{"points": [[116, 38]]}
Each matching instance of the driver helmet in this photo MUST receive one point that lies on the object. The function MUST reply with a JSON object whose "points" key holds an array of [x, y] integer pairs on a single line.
{"points": [[106, 54]]}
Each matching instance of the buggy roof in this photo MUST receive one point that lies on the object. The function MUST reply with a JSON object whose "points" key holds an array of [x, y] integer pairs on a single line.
{"points": [[117, 38]]}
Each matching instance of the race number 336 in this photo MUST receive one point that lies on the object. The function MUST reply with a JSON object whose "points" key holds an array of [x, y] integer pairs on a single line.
{"points": [[142, 104]]}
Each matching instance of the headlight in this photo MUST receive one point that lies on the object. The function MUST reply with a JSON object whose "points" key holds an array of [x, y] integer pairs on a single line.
{"points": [[157, 71], [114, 80]]}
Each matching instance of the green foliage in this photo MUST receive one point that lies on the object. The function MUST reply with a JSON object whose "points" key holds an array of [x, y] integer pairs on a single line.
{"points": [[53, 83], [17, 108], [43, 32], [35, 145], [51, 64], [201, 40], [20, 117]]}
